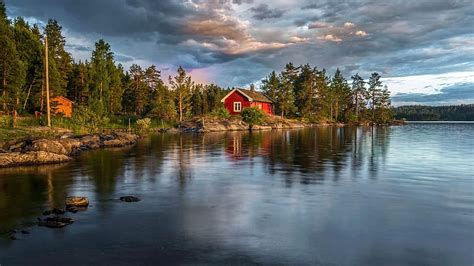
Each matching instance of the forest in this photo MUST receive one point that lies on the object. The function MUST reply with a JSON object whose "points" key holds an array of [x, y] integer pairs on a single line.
{"points": [[102, 89], [463, 112]]}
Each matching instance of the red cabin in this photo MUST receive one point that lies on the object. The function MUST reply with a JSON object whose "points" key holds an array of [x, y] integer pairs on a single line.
{"points": [[238, 99]]}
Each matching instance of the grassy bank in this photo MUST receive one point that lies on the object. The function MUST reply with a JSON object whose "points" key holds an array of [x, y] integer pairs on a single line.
{"points": [[30, 126]]}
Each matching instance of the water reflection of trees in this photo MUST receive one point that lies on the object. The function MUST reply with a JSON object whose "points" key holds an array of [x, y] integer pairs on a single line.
{"points": [[306, 156], [315, 154], [26, 191]]}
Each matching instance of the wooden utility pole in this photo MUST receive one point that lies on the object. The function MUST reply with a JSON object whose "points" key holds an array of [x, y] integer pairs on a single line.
{"points": [[46, 71]]}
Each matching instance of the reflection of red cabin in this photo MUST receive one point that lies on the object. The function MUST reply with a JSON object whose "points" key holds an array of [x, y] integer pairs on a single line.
{"points": [[238, 99], [61, 105]]}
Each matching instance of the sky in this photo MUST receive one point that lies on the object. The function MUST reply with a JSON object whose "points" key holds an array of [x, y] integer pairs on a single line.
{"points": [[424, 49]]}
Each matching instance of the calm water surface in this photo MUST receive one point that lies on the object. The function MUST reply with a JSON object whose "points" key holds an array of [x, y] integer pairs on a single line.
{"points": [[324, 196]]}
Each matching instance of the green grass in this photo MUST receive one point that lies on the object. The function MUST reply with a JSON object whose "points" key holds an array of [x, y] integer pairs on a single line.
{"points": [[34, 127]]}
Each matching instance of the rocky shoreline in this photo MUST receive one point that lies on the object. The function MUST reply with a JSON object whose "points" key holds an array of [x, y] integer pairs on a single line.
{"points": [[27, 151], [198, 125]]}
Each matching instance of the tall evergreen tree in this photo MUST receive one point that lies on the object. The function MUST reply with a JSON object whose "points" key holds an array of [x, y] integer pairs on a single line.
{"points": [[60, 60], [29, 49], [270, 86], [116, 90], [285, 95], [182, 85], [374, 92], [359, 94], [342, 95], [12, 69], [139, 88], [101, 72], [305, 90]]}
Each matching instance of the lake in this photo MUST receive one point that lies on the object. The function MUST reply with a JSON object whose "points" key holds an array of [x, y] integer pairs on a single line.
{"points": [[319, 196]]}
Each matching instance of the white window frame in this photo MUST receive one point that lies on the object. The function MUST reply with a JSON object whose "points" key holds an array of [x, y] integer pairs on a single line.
{"points": [[239, 104]]}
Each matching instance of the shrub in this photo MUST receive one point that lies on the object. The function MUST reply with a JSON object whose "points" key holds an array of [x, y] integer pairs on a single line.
{"points": [[85, 117], [253, 116], [144, 124], [221, 113], [6, 121]]}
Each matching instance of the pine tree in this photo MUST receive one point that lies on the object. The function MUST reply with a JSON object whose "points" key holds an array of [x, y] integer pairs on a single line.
{"points": [[29, 50], [285, 95], [139, 88], [324, 97], [60, 60], [116, 90], [342, 98], [270, 86], [359, 94], [101, 71], [182, 85], [385, 105], [305, 90], [374, 92], [12, 69], [153, 81]]}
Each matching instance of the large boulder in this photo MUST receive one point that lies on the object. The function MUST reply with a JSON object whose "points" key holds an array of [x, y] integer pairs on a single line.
{"points": [[121, 139], [91, 141], [47, 145], [70, 145], [31, 158]]}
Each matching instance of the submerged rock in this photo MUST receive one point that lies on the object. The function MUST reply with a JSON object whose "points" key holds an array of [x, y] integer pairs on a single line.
{"points": [[25, 232], [129, 199], [54, 211], [77, 202], [55, 222]]}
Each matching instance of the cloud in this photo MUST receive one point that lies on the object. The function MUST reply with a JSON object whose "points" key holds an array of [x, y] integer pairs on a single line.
{"points": [[262, 12], [361, 33], [349, 24], [318, 25], [453, 94], [425, 39], [330, 37]]}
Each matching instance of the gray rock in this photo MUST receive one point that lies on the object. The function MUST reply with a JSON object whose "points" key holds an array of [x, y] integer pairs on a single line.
{"points": [[47, 145], [129, 199], [31, 158]]}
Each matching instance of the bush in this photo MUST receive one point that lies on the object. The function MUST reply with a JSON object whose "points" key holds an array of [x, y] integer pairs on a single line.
{"points": [[144, 124], [221, 113], [253, 116], [6, 121], [86, 118]]}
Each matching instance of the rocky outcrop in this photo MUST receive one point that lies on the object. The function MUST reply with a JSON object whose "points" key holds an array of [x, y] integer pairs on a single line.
{"points": [[31, 158], [47, 151], [236, 124]]}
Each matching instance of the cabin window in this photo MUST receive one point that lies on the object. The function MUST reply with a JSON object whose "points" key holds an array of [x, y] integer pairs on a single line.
{"points": [[237, 106], [259, 106]]}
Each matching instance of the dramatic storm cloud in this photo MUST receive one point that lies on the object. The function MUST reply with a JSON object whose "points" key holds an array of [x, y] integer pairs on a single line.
{"points": [[424, 49]]}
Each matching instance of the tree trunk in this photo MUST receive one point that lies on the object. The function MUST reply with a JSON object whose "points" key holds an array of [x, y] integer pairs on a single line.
{"points": [[28, 95], [357, 107], [4, 93], [180, 108]]}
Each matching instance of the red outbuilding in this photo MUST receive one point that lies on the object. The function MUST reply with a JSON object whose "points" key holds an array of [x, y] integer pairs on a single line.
{"points": [[238, 99]]}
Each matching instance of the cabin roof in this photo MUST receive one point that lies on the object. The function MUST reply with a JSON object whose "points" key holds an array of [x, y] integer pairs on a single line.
{"points": [[62, 97], [251, 95]]}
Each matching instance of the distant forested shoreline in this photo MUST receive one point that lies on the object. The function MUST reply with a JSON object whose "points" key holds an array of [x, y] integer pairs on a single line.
{"points": [[463, 112]]}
